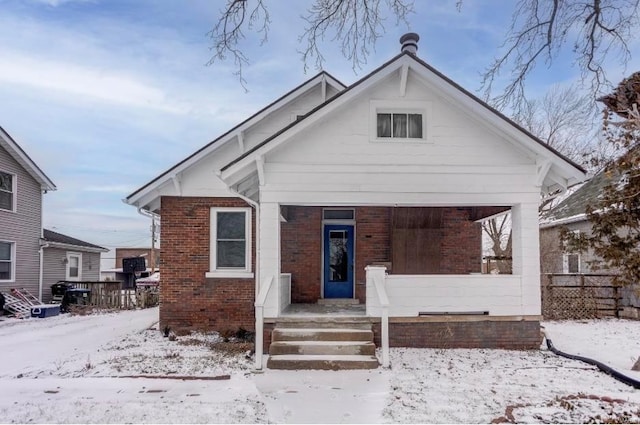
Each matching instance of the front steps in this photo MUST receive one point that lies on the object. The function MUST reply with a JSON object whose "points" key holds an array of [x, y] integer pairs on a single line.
{"points": [[324, 344]]}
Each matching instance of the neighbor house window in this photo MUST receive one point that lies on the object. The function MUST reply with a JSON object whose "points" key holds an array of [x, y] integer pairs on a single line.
{"points": [[7, 191], [571, 263], [230, 241], [74, 266], [399, 125], [7, 261]]}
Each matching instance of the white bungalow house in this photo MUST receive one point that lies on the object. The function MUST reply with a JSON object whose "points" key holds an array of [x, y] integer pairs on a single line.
{"points": [[369, 194]]}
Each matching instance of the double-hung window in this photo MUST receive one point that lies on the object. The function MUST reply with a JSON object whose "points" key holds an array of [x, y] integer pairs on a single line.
{"points": [[7, 191], [230, 242], [7, 261]]}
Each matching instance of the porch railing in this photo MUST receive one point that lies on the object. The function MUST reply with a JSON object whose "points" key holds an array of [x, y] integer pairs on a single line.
{"points": [[375, 280], [413, 295]]}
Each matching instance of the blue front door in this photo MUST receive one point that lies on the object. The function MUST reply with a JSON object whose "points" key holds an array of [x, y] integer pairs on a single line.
{"points": [[338, 261]]}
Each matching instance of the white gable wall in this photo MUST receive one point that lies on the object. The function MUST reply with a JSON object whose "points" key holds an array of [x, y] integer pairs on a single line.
{"points": [[462, 162], [200, 179]]}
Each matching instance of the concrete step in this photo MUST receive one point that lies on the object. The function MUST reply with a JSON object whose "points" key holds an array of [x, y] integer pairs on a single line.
{"points": [[321, 334], [323, 348], [338, 301], [323, 322], [337, 362]]}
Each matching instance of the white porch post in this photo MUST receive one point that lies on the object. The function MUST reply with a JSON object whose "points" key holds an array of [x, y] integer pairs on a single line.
{"points": [[526, 255], [269, 264]]}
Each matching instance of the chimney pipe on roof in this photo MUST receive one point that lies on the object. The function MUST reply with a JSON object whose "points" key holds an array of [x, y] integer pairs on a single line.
{"points": [[409, 42]]}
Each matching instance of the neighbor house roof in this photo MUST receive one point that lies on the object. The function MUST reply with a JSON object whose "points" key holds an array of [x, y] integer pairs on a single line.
{"points": [[573, 208], [58, 240], [16, 152]]}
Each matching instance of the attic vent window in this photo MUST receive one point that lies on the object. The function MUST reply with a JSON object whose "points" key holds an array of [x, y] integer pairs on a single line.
{"points": [[399, 125]]}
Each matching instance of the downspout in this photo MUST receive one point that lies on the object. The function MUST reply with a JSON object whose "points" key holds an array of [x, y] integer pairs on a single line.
{"points": [[256, 206], [40, 251], [41, 274]]}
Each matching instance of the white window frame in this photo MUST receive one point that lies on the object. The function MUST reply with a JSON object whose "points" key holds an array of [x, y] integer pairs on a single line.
{"points": [[400, 107], [565, 262], [565, 257], [14, 184], [12, 261], [229, 272], [68, 266]]}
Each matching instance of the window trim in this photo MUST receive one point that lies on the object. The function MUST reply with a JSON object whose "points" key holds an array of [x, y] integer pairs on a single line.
{"points": [[14, 192], [13, 262], [423, 108], [229, 272], [565, 262], [68, 266]]}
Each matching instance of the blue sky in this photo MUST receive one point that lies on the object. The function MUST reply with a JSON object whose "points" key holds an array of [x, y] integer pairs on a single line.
{"points": [[106, 94]]}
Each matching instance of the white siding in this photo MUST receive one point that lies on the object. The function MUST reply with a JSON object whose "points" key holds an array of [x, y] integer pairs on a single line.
{"points": [[200, 179], [500, 295], [336, 160], [54, 269], [24, 226]]}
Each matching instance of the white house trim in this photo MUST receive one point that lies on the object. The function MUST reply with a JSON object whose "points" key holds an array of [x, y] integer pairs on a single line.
{"points": [[25, 161], [490, 118], [136, 198]]}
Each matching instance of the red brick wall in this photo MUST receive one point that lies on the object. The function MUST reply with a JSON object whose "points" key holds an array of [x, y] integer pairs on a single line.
{"points": [[373, 243], [461, 243], [511, 335], [301, 244], [188, 300]]}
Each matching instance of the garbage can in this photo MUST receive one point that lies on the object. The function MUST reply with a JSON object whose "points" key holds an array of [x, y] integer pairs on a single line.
{"points": [[58, 290], [75, 296]]}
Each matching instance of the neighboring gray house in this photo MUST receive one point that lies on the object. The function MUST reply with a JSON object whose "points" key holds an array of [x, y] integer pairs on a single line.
{"points": [[571, 214], [22, 186], [69, 259]]}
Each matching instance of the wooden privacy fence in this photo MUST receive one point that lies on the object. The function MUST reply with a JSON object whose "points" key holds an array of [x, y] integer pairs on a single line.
{"points": [[579, 296], [108, 294]]}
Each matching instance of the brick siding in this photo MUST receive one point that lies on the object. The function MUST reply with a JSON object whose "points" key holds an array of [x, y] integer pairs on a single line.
{"points": [[188, 300], [511, 335]]}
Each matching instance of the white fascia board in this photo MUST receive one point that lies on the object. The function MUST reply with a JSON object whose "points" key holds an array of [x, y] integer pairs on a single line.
{"points": [[12, 147], [485, 115], [232, 135], [312, 119]]}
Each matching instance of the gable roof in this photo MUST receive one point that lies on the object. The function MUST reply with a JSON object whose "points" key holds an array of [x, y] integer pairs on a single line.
{"points": [[58, 240], [16, 152], [573, 207], [211, 146], [406, 59]]}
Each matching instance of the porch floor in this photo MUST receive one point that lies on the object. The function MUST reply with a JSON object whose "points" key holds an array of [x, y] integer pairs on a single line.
{"points": [[314, 310]]}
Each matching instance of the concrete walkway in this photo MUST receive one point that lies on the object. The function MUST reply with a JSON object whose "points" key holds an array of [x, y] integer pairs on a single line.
{"points": [[309, 396]]}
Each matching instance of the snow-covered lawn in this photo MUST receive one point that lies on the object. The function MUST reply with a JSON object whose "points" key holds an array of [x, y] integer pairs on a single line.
{"points": [[117, 367]]}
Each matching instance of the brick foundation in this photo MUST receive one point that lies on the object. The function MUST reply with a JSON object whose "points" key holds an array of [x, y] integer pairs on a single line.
{"points": [[512, 335]]}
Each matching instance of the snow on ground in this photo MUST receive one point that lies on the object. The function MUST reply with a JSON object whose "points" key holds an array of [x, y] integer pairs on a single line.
{"points": [[118, 367], [613, 342]]}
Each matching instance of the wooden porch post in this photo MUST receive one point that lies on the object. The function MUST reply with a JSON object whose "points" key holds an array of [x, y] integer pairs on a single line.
{"points": [[526, 255]]}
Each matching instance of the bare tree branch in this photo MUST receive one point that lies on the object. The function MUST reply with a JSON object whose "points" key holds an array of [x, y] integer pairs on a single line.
{"points": [[596, 30], [228, 31], [355, 24]]}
